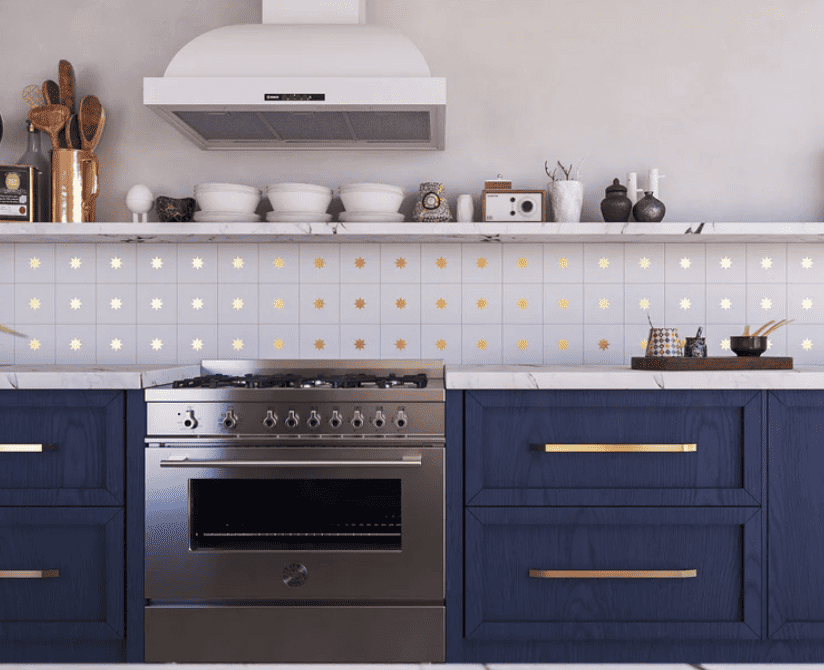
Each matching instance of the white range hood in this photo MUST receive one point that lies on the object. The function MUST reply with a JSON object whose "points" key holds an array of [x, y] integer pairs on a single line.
{"points": [[311, 76]]}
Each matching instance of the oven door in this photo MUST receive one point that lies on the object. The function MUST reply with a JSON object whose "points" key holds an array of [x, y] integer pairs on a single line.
{"points": [[296, 523]]}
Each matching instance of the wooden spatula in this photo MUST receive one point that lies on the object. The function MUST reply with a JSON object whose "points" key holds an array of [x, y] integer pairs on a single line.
{"points": [[50, 119], [92, 119]]}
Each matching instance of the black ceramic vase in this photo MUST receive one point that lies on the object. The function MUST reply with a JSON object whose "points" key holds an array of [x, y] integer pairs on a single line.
{"points": [[616, 206], [649, 209]]}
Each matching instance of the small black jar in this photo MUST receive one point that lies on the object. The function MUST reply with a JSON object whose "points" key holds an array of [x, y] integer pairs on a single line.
{"points": [[649, 209], [616, 206]]}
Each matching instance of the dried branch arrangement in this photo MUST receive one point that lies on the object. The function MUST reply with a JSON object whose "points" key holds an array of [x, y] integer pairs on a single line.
{"points": [[758, 332], [567, 172]]}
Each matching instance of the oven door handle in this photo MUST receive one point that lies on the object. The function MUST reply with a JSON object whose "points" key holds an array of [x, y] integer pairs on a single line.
{"points": [[413, 461]]}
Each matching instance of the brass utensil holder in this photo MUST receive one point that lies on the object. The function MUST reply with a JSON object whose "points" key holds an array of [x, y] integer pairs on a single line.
{"points": [[75, 185]]}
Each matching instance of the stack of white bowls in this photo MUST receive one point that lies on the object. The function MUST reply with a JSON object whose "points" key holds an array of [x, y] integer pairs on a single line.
{"points": [[371, 203], [230, 203], [298, 202]]}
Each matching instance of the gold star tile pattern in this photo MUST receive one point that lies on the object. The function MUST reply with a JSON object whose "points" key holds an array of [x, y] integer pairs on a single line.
{"points": [[766, 263], [197, 303], [319, 263], [278, 344], [400, 263], [116, 344], [644, 263], [482, 303], [75, 344], [34, 303], [360, 263], [482, 345], [522, 263], [34, 344], [441, 344], [359, 344], [34, 263], [319, 303], [725, 344], [562, 344], [75, 263], [604, 345], [481, 263], [116, 263], [157, 344], [522, 344], [766, 303], [440, 303], [807, 344], [197, 263], [237, 262], [278, 303], [400, 303], [563, 263], [685, 303], [523, 303], [603, 303], [685, 263], [643, 303], [563, 303], [157, 303], [197, 344], [806, 263], [603, 263], [237, 344], [157, 263], [643, 344], [278, 262], [807, 303], [319, 344], [237, 303], [726, 263], [441, 262], [115, 303], [400, 345], [75, 303], [360, 303], [725, 303]]}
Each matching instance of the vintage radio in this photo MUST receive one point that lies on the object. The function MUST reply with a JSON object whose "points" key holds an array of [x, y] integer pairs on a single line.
{"points": [[513, 205]]}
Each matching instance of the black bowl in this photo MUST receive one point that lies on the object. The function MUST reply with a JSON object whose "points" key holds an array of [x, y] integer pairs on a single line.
{"points": [[747, 345], [174, 210]]}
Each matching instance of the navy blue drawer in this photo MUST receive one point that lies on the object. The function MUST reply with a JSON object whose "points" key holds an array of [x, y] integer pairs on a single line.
{"points": [[503, 602], [505, 432], [84, 464]]}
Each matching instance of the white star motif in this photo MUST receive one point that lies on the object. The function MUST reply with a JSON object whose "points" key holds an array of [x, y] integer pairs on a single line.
{"points": [[157, 263], [75, 263], [197, 303], [75, 344], [197, 263], [237, 263], [116, 344], [806, 263], [197, 344], [769, 344], [726, 303], [237, 344], [685, 263], [766, 263], [643, 303], [115, 263], [34, 344], [807, 303], [685, 303], [766, 303], [75, 303], [725, 344], [644, 263], [237, 303], [726, 263], [157, 303], [116, 303], [157, 344], [807, 344], [34, 303]]}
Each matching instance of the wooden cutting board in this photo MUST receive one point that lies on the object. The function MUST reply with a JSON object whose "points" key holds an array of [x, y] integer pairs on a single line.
{"points": [[712, 363]]}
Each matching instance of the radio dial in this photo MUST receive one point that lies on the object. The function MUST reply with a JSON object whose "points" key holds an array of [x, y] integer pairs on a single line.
{"points": [[292, 420]]}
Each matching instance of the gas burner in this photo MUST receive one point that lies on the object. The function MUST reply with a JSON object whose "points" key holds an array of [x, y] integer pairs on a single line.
{"points": [[264, 381]]}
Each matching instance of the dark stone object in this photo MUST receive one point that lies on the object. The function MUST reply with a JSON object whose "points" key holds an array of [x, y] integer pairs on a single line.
{"points": [[748, 345], [649, 209], [616, 206], [696, 347], [174, 210]]}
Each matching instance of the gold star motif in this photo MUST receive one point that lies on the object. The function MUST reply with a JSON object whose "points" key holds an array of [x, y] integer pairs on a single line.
{"points": [[400, 345], [643, 344], [197, 344], [359, 344], [197, 303], [481, 263], [157, 263], [522, 344], [441, 262], [278, 262], [116, 263], [360, 303], [603, 303], [157, 303], [34, 303], [400, 303], [807, 303], [157, 344], [319, 303], [563, 303], [766, 263], [562, 344], [75, 263], [726, 262], [278, 303], [441, 344], [522, 263], [440, 303], [34, 263], [807, 344], [563, 263], [319, 263], [75, 303], [237, 344], [685, 263], [644, 263], [482, 344], [482, 303], [685, 303], [603, 263], [766, 303], [725, 343], [523, 303], [34, 344], [278, 344], [75, 344], [643, 303], [115, 303], [604, 345], [725, 303], [400, 263], [197, 263], [319, 344], [116, 344], [237, 262], [360, 263], [237, 303], [806, 263]]}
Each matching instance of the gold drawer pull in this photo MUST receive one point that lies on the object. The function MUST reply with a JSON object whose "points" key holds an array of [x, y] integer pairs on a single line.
{"points": [[29, 574], [613, 574], [612, 447], [19, 448]]}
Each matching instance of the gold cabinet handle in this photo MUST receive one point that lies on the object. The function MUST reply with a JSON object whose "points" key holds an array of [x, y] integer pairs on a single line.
{"points": [[613, 574], [613, 448], [29, 574], [19, 448]]}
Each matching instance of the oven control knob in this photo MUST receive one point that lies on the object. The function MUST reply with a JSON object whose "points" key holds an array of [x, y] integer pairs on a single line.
{"points": [[190, 421], [336, 420], [292, 419], [357, 420], [380, 420], [271, 419], [401, 420], [230, 420], [314, 419]]}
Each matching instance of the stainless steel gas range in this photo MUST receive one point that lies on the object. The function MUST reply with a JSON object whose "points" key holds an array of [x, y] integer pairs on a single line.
{"points": [[295, 513]]}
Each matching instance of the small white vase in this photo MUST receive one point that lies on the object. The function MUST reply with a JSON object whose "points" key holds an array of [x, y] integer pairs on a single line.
{"points": [[566, 198], [466, 208]]}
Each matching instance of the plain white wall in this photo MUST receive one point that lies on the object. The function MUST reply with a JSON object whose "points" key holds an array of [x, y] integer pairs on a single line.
{"points": [[723, 96]]}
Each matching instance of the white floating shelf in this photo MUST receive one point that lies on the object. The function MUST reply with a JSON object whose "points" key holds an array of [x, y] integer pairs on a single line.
{"points": [[412, 232]]}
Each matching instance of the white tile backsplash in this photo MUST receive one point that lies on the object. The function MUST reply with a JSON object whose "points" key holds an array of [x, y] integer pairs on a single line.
{"points": [[477, 302]]}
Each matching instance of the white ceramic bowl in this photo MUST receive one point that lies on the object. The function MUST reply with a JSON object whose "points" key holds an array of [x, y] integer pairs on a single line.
{"points": [[227, 197], [299, 197], [371, 197]]}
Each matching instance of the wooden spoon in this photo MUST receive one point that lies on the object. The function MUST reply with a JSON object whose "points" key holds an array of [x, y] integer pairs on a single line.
{"points": [[51, 92], [50, 119], [92, 119], [73, 139], [66, 78]]}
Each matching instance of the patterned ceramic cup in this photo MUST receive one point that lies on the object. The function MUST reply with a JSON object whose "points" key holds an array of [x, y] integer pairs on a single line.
{"points": [[696, 347], [663, 342]]}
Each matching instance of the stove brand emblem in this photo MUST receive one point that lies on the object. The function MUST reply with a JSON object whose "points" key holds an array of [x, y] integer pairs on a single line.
{"points": [[294, 574]]}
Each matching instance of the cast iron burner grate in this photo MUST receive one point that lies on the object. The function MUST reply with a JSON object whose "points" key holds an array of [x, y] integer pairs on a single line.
{"points": [[253, 381]]}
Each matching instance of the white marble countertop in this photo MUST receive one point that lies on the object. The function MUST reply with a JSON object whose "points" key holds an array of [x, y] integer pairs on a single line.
{"points": [[469, 377], [92, 376]]}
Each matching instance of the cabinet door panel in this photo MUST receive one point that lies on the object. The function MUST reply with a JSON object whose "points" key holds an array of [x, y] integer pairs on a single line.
{"points": [[504, 601], [87, 465], [506, 429]]}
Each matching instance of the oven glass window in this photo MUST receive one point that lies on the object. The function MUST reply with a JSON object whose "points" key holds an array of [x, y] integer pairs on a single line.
{"points": [[295, 514]]}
